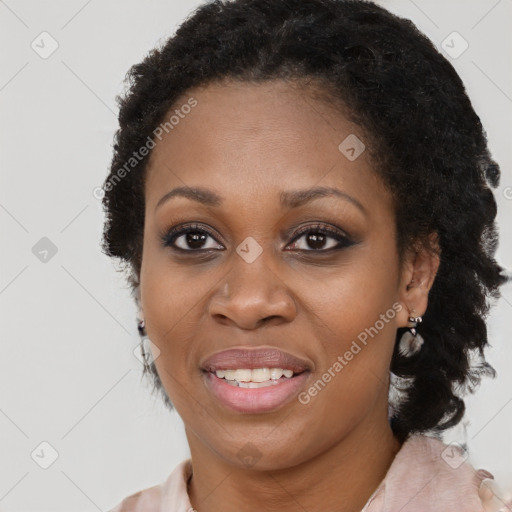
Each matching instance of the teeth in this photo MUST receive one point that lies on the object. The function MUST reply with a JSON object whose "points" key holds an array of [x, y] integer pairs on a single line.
{"points": [[246, 378], [277, 373], [259, 375], [229, 375], [265, 384], [242, 375], [256, 384]]}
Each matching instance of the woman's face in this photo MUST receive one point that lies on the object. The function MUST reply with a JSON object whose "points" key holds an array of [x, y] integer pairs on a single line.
{"points": [[244, 275]]}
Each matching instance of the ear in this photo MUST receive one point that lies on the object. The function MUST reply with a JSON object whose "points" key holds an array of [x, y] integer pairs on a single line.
{"points": [[419, 270]]}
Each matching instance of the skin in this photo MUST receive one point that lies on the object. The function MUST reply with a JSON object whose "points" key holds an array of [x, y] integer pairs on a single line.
{"points": [[248, 143]]}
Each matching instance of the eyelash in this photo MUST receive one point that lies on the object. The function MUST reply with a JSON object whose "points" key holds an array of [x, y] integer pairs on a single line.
{"points": [[169, 237]]}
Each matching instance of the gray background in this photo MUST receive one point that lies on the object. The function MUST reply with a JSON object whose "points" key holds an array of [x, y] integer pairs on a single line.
{"points": [[67, 372]]}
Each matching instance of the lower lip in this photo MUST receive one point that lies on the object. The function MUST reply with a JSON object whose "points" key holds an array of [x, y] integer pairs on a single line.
{"points": [[255, 400]]}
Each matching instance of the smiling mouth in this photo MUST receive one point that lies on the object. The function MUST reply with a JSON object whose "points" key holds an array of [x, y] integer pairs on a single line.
{"points": [[254, 380], [256, 377]]}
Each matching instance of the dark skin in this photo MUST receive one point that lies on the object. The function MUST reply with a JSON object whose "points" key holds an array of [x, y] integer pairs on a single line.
{"points": [[248, 143]]}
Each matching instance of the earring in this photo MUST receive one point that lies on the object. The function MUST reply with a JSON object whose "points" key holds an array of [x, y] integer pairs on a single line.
{"points": [[411, 341], [140, 327]]}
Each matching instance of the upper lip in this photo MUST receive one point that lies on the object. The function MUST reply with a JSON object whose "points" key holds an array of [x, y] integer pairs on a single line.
{"points": [[244, 358]]}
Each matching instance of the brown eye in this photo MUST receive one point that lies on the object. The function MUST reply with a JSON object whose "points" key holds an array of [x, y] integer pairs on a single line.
{"points": [[320, 238], [190, 238]]}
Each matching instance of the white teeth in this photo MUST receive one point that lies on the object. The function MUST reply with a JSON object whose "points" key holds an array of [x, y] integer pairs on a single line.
{"points": [[229, 374], [256, 376], [257, 384], [277, 373], [260, 375], [242, 375]]}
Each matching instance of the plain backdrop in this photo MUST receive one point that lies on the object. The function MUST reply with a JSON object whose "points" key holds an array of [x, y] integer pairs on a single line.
{"points": [[68, 375]]}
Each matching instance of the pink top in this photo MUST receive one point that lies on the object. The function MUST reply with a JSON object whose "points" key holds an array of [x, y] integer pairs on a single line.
{"points": [[425, 475]]}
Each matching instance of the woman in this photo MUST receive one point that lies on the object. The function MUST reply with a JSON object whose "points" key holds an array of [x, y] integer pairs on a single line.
{"points": [[301, 193]]}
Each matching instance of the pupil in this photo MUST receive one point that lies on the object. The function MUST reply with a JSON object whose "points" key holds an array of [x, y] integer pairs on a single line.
{"points": [[316, 239], [196, 240]]}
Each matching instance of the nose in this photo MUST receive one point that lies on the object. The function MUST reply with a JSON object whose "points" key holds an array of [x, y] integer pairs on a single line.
{"points": [[251, 295]]}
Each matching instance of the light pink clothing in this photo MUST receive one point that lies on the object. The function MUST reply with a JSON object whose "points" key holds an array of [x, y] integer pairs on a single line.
{"points": [[425, 476]]}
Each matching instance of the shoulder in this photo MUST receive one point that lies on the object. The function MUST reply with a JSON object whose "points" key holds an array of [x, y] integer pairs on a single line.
{"points": [[429, 473], [147, 500], [168, 496]]}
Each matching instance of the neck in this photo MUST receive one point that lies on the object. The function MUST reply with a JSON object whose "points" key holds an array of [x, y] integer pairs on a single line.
{"points": [[341, 478]]}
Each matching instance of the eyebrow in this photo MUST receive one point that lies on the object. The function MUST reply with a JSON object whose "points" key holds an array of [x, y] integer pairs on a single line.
{"points": [[289, 199]]}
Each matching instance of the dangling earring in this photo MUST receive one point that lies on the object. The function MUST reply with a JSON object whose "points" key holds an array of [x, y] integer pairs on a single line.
{"points": [[140, 327], [411, 341]]}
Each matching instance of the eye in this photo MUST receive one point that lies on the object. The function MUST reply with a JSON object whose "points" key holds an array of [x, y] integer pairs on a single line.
{"points": [[317, 237], [189, 238]]}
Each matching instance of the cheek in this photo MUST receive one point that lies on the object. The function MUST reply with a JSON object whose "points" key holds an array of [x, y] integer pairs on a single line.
{"points": [[355, 310], [173, 294], [354, 352], [351, 298], [356, 341], [174, 299], [357, 303]]}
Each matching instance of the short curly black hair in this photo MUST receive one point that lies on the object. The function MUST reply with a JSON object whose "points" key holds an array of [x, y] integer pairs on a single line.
{"points": [[428, 146]]}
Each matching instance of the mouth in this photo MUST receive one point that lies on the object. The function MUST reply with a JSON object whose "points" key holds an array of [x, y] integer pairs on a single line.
{"points": [[254, 380]]}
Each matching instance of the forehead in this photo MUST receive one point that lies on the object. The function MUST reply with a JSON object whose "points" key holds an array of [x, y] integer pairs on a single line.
{"points": [[259, 139]]}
